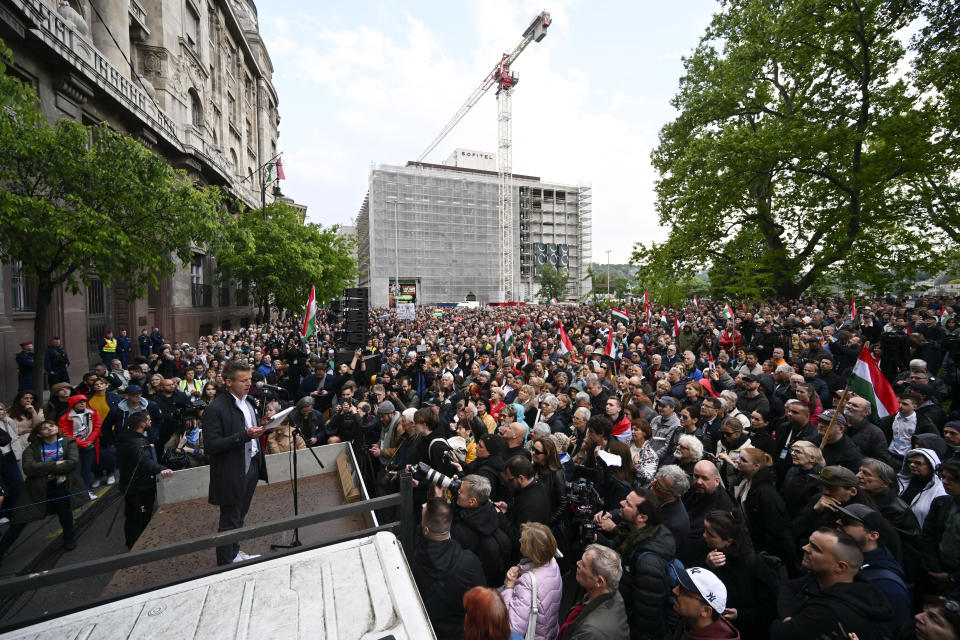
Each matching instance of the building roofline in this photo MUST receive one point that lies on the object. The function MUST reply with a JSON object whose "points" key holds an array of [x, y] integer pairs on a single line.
{"points": [[484, 172]]}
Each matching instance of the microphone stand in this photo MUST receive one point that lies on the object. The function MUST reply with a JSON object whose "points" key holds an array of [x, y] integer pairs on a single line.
{"points": [[295, 542]]}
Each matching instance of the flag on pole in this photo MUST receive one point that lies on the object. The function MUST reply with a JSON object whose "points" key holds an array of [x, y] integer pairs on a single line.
{"points": [[553, 302], [527, 353], [565, 345], [496, 341], [945, 315], [310, 315], [867, 382], [275, 170], [620, 314], [853, 309], [508, 339], [727, 312], [676, 326], [611, 348], [696, 303]]}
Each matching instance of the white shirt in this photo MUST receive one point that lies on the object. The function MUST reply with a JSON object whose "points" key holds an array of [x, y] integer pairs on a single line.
{"points": [[249, 420], [903, 430]]}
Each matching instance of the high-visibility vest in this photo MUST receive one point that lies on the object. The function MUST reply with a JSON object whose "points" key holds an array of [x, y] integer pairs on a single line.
{"points": [[110, 345]]}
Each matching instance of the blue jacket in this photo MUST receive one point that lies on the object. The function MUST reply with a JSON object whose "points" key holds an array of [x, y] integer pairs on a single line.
{"points": [[145, 345], [882, 570]]}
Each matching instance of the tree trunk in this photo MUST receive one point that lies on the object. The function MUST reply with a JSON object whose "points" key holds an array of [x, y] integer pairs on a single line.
{"points": [[41, 306]]}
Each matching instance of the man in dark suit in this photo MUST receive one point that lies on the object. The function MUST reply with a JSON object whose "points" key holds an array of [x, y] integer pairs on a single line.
{"points": [[231, 439]]}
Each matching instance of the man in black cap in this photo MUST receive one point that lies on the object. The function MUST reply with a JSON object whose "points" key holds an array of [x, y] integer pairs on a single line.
{"points": [[839, 487], [751, 398], [839, 449], [873, 533]]}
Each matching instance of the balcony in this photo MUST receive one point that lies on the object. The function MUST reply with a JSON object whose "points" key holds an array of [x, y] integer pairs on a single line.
{"points": [[202, 295]]}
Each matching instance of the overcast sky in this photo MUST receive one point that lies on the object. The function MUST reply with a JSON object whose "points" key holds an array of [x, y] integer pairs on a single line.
{"points": [[368, 83]]}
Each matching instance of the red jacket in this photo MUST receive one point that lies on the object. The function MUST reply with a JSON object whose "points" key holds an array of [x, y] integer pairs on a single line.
{"points": [[89, 421]]}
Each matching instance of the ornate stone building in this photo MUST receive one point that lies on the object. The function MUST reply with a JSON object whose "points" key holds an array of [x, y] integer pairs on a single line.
{"points": [[190, 79]]}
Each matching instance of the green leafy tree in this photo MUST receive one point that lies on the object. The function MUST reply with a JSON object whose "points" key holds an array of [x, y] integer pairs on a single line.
{"points": [[553, 283], [800, 148], [82, 200], [281, 258]]}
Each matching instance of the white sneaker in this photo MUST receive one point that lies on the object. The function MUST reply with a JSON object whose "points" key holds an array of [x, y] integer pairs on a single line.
{"points": [[97, 482], [4, 520], [111, 480], [92, 495], [241, 556]]}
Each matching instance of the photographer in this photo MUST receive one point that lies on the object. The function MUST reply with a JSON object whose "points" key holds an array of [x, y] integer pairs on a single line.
{"points": [[172, 403], [528, 501], [405, 396], [476, 526], [138, 472], [309, 421]]}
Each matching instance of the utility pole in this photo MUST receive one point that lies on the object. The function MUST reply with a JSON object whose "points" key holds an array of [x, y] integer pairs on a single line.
{"points": [[608, 271]]}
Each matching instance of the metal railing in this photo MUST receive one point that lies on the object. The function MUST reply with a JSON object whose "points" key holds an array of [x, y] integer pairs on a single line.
{"points": [[404, 527], [223, 295], [202, 295]]}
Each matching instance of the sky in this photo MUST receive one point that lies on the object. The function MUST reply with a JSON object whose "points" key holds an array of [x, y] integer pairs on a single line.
{"points": [[367, 83]]}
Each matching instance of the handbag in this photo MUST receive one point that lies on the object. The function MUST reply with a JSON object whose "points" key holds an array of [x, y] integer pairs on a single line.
{"points": [[534, 609]]}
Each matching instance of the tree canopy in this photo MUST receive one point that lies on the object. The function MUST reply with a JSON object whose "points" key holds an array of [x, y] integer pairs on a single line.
{"points": [[78, 201], [281, 258], [553, 283], [801, 148]]}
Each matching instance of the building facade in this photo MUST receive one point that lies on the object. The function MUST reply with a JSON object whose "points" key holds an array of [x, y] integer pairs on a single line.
{"points": [[191, 80], [434, 230]]}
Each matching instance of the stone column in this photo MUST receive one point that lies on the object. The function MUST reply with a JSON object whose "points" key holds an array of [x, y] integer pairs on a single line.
{"points": [[116, 23]]}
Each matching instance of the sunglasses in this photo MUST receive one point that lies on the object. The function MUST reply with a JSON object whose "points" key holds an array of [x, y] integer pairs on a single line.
{"points": [[729, 433], [537, 452]]}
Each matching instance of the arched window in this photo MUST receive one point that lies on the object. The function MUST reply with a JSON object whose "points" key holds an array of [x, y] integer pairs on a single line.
{"points": [[196, 108], [234, 163]]}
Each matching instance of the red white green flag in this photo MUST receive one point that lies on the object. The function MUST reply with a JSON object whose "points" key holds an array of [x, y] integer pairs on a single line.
{"points": [[676, 326], [853, 309], [310, 315], [696, 303], [727, 312], [611, 348], [867, 382], [620, 314], [527, 353], [565, 345]]}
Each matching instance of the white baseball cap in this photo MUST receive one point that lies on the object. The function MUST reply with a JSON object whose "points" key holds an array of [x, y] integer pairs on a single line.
{"points": [[705, 584]]}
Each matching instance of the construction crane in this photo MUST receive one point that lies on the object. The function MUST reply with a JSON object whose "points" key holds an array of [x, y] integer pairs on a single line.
{"points": [[505, 80]]}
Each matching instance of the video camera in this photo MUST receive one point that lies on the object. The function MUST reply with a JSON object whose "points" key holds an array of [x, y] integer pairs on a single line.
{"points": [[585, 503]]}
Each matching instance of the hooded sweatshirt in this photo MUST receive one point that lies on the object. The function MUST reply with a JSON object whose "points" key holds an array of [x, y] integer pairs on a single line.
{"points": [[858, 606], [920, 504], [444, 572], [719, 629]]}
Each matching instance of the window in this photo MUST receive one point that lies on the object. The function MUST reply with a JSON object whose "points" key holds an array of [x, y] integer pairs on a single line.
{"points": [[231, 108], [192, 27], [248, 90], [249, 134], [96, 297], [196, 269], [196, 109], [21, 288]]}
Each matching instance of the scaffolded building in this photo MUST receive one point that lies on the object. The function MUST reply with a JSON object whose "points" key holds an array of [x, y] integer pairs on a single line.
{"points": [[429, 233]]}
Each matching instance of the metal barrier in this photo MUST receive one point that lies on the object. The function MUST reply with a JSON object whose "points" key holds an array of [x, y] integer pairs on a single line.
{"points": [[406, 524]]}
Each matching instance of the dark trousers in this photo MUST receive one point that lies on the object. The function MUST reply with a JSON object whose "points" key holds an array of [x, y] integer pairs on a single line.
{"points": [[12, 481], [232, 515], [87, 457], [60, 507], [137, 511]]}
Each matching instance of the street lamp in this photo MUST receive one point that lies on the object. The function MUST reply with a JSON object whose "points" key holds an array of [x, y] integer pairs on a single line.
{"points": [[608, 271]]}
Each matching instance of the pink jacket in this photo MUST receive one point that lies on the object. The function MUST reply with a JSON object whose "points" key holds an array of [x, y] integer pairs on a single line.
{"points": [[549, 592]]}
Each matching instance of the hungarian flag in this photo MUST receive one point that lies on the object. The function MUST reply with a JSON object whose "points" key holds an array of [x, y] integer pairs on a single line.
{"points": [[676, 326], [611, 348], [508, 339], [527, 353], [853, 309], [553, 302], [275, 170], [945, 315], [646, 305], [310, 315], [565, 345], [727, 312], [620, 314], [867, 382], [696, 303], [496, 341]]}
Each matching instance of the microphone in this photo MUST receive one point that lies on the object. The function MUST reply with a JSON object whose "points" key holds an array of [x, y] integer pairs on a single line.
{"points": [[264, 385]]}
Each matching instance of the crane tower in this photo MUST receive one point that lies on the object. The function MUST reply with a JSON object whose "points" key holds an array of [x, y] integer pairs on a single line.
{"points": [[506, 80]]}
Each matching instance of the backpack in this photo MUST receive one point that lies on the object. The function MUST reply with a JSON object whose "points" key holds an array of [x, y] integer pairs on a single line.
{"points": [[674, 569]]}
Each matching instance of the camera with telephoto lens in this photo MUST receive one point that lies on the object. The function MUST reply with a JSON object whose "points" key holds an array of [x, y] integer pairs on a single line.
{"points": [[426, 472]]}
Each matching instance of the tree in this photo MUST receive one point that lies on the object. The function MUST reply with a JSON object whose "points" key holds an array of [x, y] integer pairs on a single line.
{"points": [[553, 283], [82, 200], [282, 257], [800, 149]]}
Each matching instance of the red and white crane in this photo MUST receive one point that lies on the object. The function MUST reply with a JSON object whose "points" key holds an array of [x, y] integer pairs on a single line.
{"points": [[505, 80]]}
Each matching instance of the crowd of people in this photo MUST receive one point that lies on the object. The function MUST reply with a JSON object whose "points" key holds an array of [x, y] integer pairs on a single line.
{"points": [[701, 471]]}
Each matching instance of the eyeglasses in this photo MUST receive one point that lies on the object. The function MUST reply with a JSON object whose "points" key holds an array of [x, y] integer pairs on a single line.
{"points": [[537, 452]]}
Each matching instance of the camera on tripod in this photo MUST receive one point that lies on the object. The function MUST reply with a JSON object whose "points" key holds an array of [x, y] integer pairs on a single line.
{"points": [[585, 503]]}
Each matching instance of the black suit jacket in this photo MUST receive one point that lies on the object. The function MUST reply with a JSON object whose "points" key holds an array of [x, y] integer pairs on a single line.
{"points": [[224, 441]]}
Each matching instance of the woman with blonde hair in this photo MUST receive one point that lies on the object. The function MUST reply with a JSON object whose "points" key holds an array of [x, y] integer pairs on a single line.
{"points": [[802, 481], [535, 579]]}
